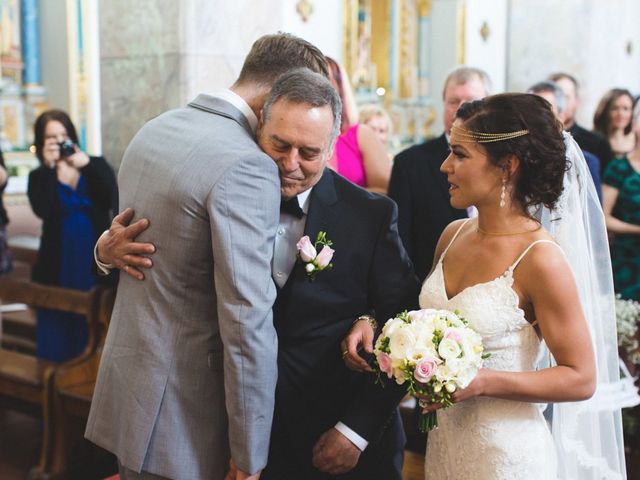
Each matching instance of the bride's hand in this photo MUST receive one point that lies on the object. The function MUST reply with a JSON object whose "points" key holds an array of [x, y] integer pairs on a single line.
{"points": [[359, 337], [474, 389]]}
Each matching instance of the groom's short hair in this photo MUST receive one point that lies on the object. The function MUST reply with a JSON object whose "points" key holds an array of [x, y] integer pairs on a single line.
{"points": [[275, 54], [304, 86]]}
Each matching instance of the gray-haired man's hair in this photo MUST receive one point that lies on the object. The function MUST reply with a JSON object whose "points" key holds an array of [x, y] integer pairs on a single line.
{"points": [[465, 74], [304, 86], [550, 87]]}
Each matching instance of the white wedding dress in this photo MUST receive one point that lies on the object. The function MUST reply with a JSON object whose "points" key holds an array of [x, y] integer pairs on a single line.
{"points": [[488, 438]]}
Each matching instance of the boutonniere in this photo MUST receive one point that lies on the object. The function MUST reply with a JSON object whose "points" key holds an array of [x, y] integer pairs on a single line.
{"points": [[308, 254]]}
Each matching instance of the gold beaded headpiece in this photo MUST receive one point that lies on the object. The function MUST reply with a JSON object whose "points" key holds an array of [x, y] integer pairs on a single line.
{"points": [[465, 135]]}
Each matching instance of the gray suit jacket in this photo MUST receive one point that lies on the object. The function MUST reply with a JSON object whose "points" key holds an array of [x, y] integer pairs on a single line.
{"points": [[188, 370]]}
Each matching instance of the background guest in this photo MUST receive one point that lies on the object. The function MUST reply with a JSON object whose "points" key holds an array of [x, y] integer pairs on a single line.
{"points": [[553, 94], [5, 257], [635, 121], [613, 120], [359, 156], [621, 205], [587, 140], [73, 194], [378, 119], [418, 186]]}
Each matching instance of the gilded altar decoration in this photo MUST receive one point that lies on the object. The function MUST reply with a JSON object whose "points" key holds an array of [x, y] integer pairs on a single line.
{"points": [[485, 31], [304, 9]]}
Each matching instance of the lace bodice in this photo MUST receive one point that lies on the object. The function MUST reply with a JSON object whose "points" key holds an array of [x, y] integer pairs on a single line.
{"points": [[492, 310], [489, 438]]}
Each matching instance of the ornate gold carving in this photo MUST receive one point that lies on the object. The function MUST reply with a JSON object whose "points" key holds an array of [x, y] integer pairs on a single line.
{"points": [[461, 24], [304, 9], [424, 7], [485, 31]]}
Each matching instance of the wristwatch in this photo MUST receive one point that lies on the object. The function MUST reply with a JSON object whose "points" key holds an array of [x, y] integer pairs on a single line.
{"points": [[369, 319]]}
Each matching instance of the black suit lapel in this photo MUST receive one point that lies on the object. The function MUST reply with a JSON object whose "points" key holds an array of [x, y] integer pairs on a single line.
{"points": [[320, 217], [321, 214]]}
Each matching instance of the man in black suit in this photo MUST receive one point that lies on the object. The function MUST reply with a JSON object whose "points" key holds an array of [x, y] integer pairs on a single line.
{"points": [[417, 185], [588, 141], [553, 94], [328, 420]]}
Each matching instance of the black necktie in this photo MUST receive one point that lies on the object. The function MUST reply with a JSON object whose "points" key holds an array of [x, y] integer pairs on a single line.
{"points": [[292, 207]]}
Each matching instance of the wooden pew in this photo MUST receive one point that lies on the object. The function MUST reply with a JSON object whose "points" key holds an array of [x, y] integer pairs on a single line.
{"points": [[26, 381], [72, 391]]}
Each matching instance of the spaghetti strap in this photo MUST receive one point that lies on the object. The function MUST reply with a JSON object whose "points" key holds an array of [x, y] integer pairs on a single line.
{"points": [[453, 239], [515, 264]]}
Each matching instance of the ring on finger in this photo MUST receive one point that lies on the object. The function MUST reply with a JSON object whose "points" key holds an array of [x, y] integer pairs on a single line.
{"points": [[423, 403]]}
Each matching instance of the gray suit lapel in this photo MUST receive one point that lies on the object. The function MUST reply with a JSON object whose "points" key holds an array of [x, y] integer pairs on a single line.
{"points": [[223, 108]]}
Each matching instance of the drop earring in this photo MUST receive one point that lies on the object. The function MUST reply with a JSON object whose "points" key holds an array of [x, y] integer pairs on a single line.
{"points": [[503, 193]]}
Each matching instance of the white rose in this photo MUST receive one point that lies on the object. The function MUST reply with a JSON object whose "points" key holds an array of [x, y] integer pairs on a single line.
{"points": [[443, 375], [391, 325], [418, 353], [449, 348], [401, 341], [466, 375], [452, 318], [440, 323]]}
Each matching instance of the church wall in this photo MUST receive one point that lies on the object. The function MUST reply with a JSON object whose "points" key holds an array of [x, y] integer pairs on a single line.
{"points": [[587, 38]]}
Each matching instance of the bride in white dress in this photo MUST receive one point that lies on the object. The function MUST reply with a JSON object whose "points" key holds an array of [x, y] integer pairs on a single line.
{"points": [[506, 274]]}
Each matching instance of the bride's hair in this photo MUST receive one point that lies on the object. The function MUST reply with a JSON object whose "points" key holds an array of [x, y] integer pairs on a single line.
{"points": [[541, 152]]}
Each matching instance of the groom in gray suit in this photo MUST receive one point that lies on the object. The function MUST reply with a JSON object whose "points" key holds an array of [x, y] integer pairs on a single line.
{"points": [[188, 370]]}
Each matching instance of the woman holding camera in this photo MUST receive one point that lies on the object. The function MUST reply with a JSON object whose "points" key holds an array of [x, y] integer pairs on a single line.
{"points": [[73, 194]]}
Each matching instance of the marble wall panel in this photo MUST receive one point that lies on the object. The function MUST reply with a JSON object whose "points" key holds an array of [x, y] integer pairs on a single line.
{"points": [[206, 73], [134, 90], [587, 38], [143, 27], [224, 28]]}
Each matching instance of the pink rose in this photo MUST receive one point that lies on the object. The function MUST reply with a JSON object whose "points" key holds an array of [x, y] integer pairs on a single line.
{"points": [[453, 335], [384, 362], [324, 257], [425, 369], [306, 249]]}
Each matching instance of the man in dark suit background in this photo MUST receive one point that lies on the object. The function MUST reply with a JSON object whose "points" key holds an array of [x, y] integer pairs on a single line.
{"points": [[553, 94], [588, 141], [417, 185], [328, 420]]}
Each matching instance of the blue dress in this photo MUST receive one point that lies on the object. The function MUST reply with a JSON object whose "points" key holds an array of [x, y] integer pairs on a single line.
{"points": [[61, 336]]}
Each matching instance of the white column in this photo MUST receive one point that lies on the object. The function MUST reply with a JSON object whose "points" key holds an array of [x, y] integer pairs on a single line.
{"points": [[84, 72]]}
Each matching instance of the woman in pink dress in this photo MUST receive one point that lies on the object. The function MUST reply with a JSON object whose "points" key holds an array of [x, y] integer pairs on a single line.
{"points": [[359, 155]]}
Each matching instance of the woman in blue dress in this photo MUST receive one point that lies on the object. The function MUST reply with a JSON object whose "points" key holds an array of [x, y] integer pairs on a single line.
{"points": [[74, 194]]}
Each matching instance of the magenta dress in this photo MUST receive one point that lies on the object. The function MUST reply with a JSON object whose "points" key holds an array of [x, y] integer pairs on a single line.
{"points": [[349, 157]]}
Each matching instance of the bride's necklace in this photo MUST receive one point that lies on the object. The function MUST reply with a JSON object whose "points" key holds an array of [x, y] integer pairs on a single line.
{"points": [[478, 229]]}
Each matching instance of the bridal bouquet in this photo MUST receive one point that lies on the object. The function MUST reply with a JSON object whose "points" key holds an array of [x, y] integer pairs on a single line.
{"points": [[434, 352]]}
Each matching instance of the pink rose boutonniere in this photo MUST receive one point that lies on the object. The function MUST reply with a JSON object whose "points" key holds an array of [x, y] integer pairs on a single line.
{"points": [[308, 253]]}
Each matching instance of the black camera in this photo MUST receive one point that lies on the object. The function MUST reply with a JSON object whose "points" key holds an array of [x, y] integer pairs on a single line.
{"points": [[67, 148]]}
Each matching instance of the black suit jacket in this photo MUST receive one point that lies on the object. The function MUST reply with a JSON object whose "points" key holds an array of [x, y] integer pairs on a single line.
{"points": [[422, 194], [371, 274], [594, 143]]}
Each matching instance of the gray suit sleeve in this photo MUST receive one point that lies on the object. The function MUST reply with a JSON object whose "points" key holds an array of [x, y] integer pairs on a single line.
{"points": [[244, 211]]}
